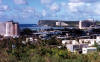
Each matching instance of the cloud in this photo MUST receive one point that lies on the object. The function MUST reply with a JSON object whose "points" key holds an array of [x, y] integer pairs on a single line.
{"points": [[0, 1], [97, 8], [44, 13], [46, 1], [28, 12], [69, 10], [86, 1], [73, 6], [50, 10], [84, 10], [54, 7], [20, 1], [72, 10], [4, 7], [63, 3]]}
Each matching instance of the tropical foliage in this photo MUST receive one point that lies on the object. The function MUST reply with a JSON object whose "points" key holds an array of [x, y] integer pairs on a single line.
{"points": [[13, 50]]}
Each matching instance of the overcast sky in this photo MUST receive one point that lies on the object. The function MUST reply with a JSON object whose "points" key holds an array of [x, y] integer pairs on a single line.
{"points": [[30, 11]]}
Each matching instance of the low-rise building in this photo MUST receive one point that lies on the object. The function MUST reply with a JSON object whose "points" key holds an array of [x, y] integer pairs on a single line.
{"points": [[98, 40], [74, 48], [90, 42], [74, 42], [89, 50]]}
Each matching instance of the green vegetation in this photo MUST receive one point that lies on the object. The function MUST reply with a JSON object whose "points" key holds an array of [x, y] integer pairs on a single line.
{"points": [[26, 31], [12, 50]]}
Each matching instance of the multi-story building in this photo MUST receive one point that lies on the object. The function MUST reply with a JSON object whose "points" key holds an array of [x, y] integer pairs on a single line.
{"points": [[9, 28]]}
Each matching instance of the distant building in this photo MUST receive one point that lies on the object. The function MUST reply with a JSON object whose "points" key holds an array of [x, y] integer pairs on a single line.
{"points": [[9, 28], [58, 23], [61, 23], [86, 24], [47, 22]]}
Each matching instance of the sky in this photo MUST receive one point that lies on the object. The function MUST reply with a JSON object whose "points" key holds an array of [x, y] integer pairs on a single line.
{"points": [[30, 11]]}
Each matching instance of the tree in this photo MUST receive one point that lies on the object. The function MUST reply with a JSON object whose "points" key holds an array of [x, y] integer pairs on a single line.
{"points": [[26, 31], [95, 31], [97, 46], [76, 32], [52, 41]]}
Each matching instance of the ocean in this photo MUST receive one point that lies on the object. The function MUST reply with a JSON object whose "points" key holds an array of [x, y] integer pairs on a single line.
{"points": [[37, 27], [30, 26]]}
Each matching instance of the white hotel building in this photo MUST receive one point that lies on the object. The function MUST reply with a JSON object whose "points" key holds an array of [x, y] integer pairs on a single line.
{"points": [[9, 28]]}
